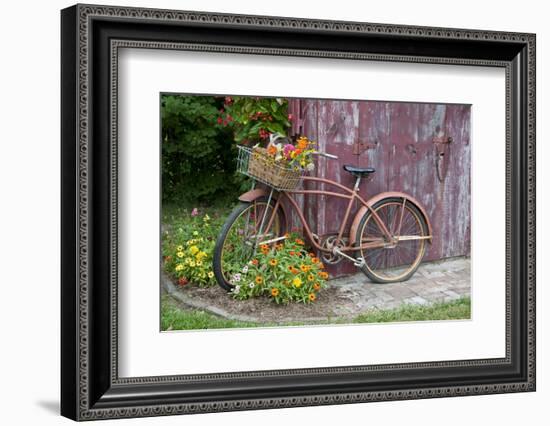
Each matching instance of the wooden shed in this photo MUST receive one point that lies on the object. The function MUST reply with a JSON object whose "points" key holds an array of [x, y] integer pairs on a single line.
{"points": [[418, 148]]}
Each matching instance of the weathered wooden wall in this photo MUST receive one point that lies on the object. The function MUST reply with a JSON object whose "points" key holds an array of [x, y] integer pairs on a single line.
{"points": [[399, 140]]}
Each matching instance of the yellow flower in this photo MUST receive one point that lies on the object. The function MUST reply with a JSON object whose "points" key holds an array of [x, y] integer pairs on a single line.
{"points": [[259, 279], [304, 268], [188, 260], [273, 262], [192, 264], [195, 233], [297, 282], [274, 292], [179, 248], [210, 274], [201, 255], [179, 254], [199, 262], [316, 286], [193, 249], [311, 296], [179, 267], [310, 277]]}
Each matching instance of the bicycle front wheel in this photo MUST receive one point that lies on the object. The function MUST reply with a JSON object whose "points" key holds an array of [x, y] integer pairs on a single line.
{"points": [[397, 260], [240, 236]]}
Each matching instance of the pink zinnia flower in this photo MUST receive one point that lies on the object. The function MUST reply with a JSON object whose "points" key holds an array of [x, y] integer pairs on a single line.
{"points": [[195, 212], [287, 149]]}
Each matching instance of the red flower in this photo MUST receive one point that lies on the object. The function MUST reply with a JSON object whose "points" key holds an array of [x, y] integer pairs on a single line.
{"points": [[290, 117], [228, 100], [220, 120], [183, 281], [263, 134]]}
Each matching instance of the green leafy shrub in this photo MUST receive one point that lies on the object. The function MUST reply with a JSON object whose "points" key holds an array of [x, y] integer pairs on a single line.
{"points": [[285, 272], [252, 119], [197, 152]]}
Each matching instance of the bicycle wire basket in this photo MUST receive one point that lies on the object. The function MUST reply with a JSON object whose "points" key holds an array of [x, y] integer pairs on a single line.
{"points": [[257, 164]]}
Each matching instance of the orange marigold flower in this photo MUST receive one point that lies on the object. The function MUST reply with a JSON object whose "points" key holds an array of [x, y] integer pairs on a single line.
{"points": [[259, 279], [315, 260], [310, 277], [264, 246], [311, 255], [312, 296], [274, 292], [279, 246], [255, 262], [304, 268], [323, 275], [316, 286], [292, 253], [273, 262], [321, 266], [299, 241], [302, 143], [272, 150]]}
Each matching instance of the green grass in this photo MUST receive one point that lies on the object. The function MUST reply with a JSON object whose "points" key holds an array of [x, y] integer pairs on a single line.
{"points": [[175, 318], [457, 309]]}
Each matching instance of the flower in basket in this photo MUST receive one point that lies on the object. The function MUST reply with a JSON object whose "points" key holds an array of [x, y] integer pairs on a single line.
{"points": [[298, 156]]}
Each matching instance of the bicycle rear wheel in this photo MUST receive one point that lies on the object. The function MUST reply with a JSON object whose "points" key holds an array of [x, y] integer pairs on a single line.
{"points": [[240, 237], [398, 260]]}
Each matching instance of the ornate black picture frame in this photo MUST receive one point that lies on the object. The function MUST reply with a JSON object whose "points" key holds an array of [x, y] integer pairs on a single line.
{"points": [[91, 36]]}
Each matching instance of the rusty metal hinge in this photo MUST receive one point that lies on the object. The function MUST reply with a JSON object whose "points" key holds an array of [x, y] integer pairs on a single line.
{"points": [[442, 147], [359, 147]]}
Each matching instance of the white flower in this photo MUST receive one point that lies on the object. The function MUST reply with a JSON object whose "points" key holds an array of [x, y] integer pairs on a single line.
{"points": [[310, 167], [237, 289], [237, 277], [245, 269], [251, 285]]}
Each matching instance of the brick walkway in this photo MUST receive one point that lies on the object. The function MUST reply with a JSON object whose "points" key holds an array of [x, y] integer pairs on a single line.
{"points": [[433, 282]]}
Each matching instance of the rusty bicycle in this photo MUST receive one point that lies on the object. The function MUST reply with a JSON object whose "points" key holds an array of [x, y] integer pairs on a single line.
{"points": [[387, 237]]}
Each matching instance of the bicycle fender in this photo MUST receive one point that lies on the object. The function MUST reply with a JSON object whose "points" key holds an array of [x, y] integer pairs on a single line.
{"points": [[252, 195], [390, 194]]}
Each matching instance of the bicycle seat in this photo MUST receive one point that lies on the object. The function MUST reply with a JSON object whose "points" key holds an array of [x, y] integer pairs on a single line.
{"points": [[358, 171]]}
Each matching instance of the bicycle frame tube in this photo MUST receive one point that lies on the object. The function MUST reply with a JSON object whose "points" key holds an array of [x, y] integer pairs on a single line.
{"points": [[350, 195]]}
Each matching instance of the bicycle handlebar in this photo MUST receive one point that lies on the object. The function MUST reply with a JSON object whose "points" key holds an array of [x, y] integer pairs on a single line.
{"points": [[327, 155]]}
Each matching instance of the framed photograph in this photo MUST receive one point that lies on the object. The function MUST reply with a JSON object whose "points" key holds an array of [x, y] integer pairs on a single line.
{"points": [[263, 212]]}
